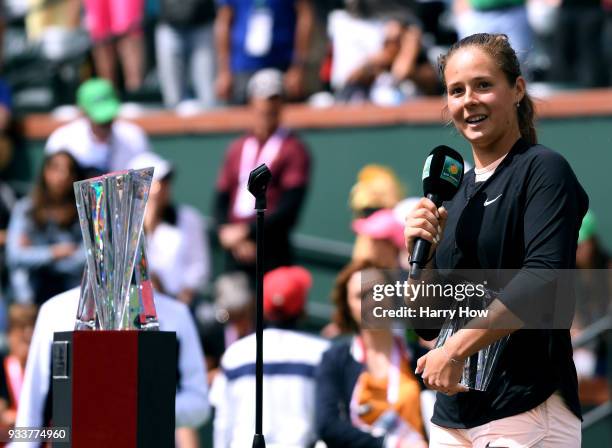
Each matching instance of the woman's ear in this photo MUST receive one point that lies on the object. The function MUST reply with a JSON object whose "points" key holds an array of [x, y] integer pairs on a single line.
{"points": [[521, 88]]}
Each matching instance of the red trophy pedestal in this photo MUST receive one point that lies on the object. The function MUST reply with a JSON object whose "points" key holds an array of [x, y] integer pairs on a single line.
{"points": [[115, 388]]}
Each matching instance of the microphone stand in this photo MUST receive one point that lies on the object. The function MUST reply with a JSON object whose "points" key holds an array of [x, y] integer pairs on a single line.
{"points": [[257, 186]]}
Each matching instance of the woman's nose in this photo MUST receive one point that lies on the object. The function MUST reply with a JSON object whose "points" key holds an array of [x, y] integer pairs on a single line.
{"points": [[469, 98]]}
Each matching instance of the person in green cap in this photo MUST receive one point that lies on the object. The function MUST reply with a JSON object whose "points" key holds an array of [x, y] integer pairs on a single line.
{"points": [[593, 261], [590, 253], [98, 140]]}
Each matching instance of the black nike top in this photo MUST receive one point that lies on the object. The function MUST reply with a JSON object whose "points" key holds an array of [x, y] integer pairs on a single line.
{"points": [[525, 216]]}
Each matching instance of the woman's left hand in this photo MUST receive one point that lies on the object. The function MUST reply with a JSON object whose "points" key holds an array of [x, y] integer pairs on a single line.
{"points": [[441, 372]]}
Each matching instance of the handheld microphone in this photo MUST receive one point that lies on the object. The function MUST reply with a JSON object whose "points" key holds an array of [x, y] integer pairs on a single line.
{"points": [[442, 175]]}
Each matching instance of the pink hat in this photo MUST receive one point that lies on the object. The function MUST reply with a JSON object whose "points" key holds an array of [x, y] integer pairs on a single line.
{"points": [[285, 292], [381, 225]]}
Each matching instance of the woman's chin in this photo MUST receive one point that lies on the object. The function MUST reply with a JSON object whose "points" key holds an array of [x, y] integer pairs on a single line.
{"points": [[474, 137]]}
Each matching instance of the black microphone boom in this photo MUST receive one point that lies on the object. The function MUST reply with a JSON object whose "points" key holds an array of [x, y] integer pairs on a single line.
{"points": [[442, 175]]}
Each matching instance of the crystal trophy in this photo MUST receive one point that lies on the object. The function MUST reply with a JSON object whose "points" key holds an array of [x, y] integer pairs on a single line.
{"points": [[479, 367], [116, 292]]}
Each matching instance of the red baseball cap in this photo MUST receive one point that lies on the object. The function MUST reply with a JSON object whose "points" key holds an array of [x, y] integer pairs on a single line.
{"points": [[285, 292]]}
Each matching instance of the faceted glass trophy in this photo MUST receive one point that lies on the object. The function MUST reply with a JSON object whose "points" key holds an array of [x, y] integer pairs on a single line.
{"points": [[478, 369], [116, 292]]}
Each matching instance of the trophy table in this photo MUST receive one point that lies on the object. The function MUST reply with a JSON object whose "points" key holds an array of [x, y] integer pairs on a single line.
{"points": [[114, 377]]}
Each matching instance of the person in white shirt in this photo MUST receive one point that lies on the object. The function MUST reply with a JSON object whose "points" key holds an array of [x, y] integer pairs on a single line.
{"points": [[177, 247], [58, 314], [290, 360], [98, 140]]}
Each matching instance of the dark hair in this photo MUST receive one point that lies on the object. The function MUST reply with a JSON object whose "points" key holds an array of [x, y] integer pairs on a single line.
{"points": [[21, 315], [342, 314], [498, 47], [41, 200]]}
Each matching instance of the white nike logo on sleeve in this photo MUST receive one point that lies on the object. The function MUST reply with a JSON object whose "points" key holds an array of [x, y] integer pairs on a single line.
{"points": [[492, 200]]}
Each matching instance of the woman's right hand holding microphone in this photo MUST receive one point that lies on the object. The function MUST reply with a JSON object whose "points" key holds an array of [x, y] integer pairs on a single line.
{"points": [[425, 221]]}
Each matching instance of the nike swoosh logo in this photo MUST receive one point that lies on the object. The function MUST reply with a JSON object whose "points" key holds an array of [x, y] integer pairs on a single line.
{"points": [[492, 200]]}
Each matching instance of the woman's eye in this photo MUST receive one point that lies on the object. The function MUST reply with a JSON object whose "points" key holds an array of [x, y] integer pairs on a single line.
{"points": [[484, 84], [456, 90]]}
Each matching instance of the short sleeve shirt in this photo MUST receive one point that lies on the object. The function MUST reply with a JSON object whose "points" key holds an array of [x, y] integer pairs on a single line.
{"points": [[126, 141]]}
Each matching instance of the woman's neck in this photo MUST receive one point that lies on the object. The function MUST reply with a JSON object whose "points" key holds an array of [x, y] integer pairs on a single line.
{"points": [[55, 199], [485, 155], [377, 347], [379, 340]]}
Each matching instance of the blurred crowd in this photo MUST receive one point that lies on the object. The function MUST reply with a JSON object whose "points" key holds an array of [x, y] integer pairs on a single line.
{"points": [[195, 55], [347, 386]]}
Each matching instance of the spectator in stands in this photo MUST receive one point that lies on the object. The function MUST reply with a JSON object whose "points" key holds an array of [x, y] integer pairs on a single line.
{"points": [[594, 303], [177, 248], [55, 26], [290, 359], [437, 28], [251, 35], [184, 44], [115, 27], [289, 161], [58, 314], [7, 195], [6, 154], [379, 234], [507, 17], [230, 318], [12, 366], [542, 15], [380, 238], [393, 67], [44, 251], [377, 187], [98, 141], [7, 202], [354, 40], [6, 116], [593, 263], [577, 53], [367, 394]]}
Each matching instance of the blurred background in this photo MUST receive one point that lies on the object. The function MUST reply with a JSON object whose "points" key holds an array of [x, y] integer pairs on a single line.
{"points": [[361, 91]]}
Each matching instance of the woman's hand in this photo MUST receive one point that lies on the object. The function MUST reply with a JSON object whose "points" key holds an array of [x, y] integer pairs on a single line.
{"points": [[230, 235], [427, 222], [245, 251], [441, 372]]}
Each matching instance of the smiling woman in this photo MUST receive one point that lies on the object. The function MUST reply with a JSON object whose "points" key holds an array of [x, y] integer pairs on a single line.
{"points": [[520, 208], [487, 97]]}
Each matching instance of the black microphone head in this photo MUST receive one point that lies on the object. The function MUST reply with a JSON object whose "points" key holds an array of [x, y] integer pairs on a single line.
{"points": [[443, 173]]}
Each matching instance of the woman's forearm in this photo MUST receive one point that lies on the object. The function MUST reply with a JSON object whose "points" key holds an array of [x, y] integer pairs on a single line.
{"points": [[483, 331], [468, 341]]}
